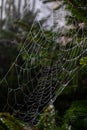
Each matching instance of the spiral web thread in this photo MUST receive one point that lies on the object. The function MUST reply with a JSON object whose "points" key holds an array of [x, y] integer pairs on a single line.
{"points": [[39, 85]]}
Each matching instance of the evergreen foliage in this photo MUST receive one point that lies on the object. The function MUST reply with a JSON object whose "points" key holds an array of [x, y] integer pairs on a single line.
{"points": [[78, 9], [76, 116], [8, 122]]}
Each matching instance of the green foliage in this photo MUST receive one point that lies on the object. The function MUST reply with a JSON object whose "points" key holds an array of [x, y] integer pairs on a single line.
{"points": [[8, 122], [76, 116], [83, 62], [48, 55], [4, 34], [43, 41], [78, 9], [47, 119], [78, 18]]}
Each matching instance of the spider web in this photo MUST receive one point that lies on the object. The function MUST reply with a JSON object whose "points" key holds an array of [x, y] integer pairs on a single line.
{"points": [[40, 79]]}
